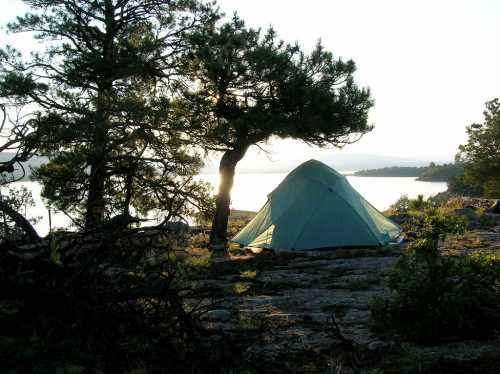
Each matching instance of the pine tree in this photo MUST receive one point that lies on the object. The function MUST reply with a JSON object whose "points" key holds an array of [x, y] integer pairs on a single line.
{"points": [[250, 86], [102, 89]]}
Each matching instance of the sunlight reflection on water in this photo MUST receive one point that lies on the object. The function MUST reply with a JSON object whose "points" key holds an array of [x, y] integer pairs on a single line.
{"points": [[250, 192]]}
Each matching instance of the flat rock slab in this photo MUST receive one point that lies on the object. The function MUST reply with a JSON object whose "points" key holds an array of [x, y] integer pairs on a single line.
{"points": [[298, 302]]}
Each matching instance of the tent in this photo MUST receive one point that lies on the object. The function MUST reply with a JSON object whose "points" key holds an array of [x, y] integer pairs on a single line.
{"points": [[315, 207]]}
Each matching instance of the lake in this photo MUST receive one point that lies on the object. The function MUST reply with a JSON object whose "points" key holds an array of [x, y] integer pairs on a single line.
{"points": [[250, 192]]}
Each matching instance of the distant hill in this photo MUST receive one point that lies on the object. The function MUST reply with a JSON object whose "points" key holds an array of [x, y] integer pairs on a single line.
{"points": [[430, 173], [441, 173], [341, 162]]}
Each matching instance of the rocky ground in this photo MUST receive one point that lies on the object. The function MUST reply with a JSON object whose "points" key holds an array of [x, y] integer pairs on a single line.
{"points": [[309, 312]]}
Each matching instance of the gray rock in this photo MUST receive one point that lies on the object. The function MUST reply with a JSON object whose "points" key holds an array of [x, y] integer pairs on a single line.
{"points": [[489, 219], [218, 315], [469, 213], [176, 226]]}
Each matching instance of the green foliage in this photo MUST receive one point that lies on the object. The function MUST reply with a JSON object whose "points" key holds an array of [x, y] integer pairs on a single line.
{"points": [[464, 186], [55, 256], [443, 173], [404, 204], [437, 298], [481, 154], [253, 86], [418, 204]]}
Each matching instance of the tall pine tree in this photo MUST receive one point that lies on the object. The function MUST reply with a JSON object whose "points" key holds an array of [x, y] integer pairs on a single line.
{"points": [[102, 89]]}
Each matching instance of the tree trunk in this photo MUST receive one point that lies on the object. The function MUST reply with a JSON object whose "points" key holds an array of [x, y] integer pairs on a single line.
{"points": [[95, 207], [218, 234], [19, 220], [95, 201]]}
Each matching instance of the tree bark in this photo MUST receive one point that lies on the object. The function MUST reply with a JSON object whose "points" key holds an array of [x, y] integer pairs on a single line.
{"points": [[95, 201], [218, 234]]}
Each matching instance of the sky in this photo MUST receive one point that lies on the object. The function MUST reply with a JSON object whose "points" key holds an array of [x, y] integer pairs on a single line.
{"points": [[431, 65]]}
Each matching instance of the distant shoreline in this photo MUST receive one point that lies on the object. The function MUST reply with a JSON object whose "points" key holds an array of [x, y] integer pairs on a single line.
{"points": [[431, 173]]}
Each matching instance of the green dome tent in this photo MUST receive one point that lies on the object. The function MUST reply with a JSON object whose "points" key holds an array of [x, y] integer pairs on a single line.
{"points": [[315, 207]]}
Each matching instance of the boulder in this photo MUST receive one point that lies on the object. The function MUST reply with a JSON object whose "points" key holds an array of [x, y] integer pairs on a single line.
{"points": [[218, 315], [468, 213], [176, 226], [489, 219]]}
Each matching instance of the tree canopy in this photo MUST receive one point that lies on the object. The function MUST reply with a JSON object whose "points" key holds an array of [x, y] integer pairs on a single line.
{"points": [[481, 153], [102, 90]]}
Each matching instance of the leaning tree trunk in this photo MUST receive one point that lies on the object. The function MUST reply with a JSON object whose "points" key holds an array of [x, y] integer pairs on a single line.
{"points": [[19, 220], [218, 235]]}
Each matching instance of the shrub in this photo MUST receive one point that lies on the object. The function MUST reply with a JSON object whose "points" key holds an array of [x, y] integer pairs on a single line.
{"points": [[437, 298], [100, 301], [402, 205], [418, 204]]}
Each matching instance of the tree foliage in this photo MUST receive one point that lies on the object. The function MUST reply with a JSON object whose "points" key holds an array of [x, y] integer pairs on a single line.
{"points": [[102, 90], [481, 154]]}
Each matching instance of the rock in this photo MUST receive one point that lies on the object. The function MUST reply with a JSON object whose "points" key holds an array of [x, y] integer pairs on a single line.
{"points": [[294, 306], [468, 213], [176, 226], [463, 202], [489, 219], [218, 315], [377, 345], [495, 208]]}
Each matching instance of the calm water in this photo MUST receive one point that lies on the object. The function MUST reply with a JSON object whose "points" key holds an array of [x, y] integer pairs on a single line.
{"points": [[250, 193], [250, 190]]}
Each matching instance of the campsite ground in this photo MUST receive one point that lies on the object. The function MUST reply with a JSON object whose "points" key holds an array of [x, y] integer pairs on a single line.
{"points": [[309, 312]]}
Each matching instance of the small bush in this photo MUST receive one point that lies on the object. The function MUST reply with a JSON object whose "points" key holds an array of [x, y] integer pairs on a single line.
{"points": [[402, 205], [437, 298], [405, 205], [418, 204]]}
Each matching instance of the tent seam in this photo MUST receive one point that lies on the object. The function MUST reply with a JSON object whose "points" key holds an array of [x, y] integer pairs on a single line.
{"points": [[357, 214]]}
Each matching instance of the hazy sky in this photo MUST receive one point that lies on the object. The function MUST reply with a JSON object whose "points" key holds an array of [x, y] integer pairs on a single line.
{"points": [[430, 64]]}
